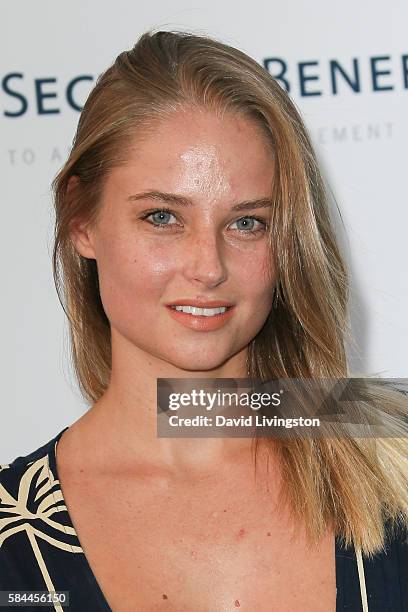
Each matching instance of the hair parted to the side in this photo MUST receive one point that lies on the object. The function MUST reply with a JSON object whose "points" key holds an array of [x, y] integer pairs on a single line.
{"points": [[354, 485]]}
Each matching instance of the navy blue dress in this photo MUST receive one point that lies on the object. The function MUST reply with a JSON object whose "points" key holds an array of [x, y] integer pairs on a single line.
{"points": [[40, 550]]}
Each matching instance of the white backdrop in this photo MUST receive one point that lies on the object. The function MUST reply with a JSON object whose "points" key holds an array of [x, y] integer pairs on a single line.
{"points": [[360, 135]]}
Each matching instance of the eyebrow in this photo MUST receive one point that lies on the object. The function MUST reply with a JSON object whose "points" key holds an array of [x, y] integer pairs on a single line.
{"points": [[182, 201]]}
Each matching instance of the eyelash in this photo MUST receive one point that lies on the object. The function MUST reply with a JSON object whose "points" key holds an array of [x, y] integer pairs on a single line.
{"points": [[167, 210]]}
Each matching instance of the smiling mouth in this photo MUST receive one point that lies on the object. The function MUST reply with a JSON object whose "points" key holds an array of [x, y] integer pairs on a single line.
{"points": [[201, 312]]}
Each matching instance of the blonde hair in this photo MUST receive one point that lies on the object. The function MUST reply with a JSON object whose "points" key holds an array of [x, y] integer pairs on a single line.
{"points": [[354, 485]]}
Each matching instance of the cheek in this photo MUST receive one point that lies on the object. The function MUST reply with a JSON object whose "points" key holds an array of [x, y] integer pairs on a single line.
{"points": [[130, 278], [257, 277]]}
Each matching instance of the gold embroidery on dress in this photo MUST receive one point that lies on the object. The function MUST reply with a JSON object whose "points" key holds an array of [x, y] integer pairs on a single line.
{"points": [[39, 498]]}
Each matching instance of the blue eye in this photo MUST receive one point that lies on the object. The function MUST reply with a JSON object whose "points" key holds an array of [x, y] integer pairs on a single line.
{"points": [[160, 216], [249, 224]]}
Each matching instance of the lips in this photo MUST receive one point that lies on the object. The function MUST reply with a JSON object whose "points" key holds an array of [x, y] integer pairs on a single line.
{"points": [[201, 303], [201, 323]]}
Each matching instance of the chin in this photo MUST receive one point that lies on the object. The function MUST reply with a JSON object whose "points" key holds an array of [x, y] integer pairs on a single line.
{"points": [[197, 363]]}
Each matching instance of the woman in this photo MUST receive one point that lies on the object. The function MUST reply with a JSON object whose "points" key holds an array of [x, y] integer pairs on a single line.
{"points": [[192, 182]]}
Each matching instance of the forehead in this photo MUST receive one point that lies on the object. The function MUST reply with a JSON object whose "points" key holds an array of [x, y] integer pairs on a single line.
{"points": [[195, 151], [206, 128]]}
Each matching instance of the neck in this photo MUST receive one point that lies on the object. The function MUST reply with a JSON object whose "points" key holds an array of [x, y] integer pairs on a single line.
{"points": [[123, 422]]}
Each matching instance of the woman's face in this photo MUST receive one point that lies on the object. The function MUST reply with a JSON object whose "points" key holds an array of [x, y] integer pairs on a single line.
{"points": [[198, 170]]}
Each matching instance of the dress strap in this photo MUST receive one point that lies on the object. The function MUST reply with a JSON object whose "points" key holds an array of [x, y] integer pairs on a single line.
{"points": [[361, 577]]}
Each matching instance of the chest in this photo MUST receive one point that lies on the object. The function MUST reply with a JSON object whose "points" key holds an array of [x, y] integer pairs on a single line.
{"points": [[205, 548]]}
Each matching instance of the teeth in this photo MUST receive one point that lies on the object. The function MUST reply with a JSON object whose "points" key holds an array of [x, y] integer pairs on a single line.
{"points": [[206, 312]]}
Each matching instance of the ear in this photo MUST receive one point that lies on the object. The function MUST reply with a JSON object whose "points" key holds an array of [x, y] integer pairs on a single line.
{"points": [[82, 239], [81, 232]]}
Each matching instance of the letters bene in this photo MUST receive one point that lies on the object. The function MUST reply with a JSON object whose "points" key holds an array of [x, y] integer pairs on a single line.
{"points": [[308, 75]]}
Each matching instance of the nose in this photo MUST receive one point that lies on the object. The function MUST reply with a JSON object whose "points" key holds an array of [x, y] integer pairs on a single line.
{"points": [[204, 260]]}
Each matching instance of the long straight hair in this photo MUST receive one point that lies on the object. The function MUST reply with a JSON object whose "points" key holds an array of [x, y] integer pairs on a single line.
{"points": [[354, 485]]}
